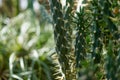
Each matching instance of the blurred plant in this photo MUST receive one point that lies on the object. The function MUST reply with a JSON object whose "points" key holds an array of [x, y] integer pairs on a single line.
{"points": [[23, 44], [4, 69], [10, 8]]}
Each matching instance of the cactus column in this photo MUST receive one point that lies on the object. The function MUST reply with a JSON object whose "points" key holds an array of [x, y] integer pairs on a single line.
{"points": [[62, 35], [97, 45], [80, 44], [112, 43]]}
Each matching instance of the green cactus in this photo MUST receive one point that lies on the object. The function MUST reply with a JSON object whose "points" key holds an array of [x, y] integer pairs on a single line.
{"points": [[95, 31], [80, 43], [62, 35], [112, 43]]}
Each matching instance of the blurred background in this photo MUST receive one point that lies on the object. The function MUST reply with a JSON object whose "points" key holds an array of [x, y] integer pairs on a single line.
{"points": [[26, 40]]}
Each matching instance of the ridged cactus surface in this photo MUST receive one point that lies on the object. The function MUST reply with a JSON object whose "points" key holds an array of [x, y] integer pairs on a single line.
{"points": [[62, 33]]}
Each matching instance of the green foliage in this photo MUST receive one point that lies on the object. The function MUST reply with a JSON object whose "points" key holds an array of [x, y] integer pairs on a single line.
{"points": [[86, 42]]}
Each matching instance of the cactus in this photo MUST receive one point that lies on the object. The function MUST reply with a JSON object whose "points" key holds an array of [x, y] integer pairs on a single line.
{"points": [[95, 20], [106, 35], [112, 44], [96, 32], [80, 43], [62, 35]]}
